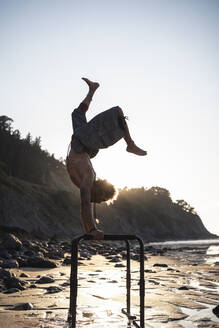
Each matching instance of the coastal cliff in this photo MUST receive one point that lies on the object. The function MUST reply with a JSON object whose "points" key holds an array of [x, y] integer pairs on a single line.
{"points": [[54, 210], [37, 197]]}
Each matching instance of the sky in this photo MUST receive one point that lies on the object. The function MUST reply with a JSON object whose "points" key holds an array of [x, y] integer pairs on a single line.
{"points": [[156, 59]]}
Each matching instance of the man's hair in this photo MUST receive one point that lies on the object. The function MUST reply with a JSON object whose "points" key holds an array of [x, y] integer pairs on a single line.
{"points": [[105, 189]]}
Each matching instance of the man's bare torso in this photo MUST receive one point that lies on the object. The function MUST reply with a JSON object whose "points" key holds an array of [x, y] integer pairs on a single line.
{"points": [[80, 169], [83, 176]]}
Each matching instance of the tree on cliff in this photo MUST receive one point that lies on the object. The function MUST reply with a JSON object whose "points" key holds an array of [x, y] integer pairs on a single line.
{"points": [[23, 158], [5, 123], [185, 206]]}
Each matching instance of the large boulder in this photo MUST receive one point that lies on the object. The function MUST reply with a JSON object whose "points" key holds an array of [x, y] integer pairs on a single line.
{"points": [[11, 243], [23, 307], [5, 274], [45, 280], [40, 262], [10, 264], [14, 283]]}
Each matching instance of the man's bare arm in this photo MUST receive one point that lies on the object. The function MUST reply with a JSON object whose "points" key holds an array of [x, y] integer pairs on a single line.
{"points": [[86, 210], [87, 215]]}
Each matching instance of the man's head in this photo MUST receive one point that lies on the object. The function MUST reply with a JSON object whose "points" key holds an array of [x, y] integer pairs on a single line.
{"points": [[102, 191]]}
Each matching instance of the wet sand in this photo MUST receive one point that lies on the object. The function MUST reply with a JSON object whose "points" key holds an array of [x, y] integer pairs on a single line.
{"points": [[101, 293]]}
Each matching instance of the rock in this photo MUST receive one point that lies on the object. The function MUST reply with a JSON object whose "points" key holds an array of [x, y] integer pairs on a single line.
{"points": [[183, 288], [4, 274], [109, 257], [29, 252], [67, 260], [113, 281], [160, 252], [21, 261], [119, 265], [11, 242], [11, 291], [45, 280], [65, 284], [135, 257], [23, 307], [162, 265], [10, 264], [115, 259], [27, 244], [55, 254], [4, 254], [14, 283], [54, 289], [85, 254], [24, 275], [35, 248], [87, 314], [153, 282], [40, 262], [92, 250], [149, 271], [216, 310]]}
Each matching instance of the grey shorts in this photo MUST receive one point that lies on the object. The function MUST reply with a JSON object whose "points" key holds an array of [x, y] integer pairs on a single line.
{"points": [[102, 131]]}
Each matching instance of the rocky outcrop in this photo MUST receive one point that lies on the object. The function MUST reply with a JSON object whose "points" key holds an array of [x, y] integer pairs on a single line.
{"points": [[155, 226], [37, 209], [54, 210]]}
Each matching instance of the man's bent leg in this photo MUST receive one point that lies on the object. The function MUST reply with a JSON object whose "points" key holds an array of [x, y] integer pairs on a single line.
{"points": [[78, 115], [131, 146], [92, 88]]}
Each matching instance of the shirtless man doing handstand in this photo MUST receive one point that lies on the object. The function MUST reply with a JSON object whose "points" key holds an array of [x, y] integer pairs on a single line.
{"points": [[102, 131]]}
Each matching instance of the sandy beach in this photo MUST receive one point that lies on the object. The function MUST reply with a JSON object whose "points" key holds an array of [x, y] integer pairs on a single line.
{"points": [[182, 288]]}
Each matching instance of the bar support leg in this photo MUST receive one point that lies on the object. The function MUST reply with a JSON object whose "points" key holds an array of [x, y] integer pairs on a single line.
{"points": [[128, 279], [142, 283], [74, 282]]}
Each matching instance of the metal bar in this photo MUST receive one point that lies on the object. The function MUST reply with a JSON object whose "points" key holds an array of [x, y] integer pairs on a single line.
{"points": [[74, 282], [136, 325], [142, 282], [128, 278], [130, 317], [74, 279]]}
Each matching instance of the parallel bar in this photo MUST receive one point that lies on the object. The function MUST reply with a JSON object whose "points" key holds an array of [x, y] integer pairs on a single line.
{"points": [[142, 282], [128, 279], [74, 280]]}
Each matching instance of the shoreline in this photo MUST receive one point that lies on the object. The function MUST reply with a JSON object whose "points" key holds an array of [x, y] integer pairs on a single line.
{"points": [[181, 289]]}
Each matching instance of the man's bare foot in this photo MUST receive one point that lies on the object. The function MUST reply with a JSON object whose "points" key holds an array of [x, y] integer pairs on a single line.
{"points": [[132, 148], [97, 234], [92, 85]]}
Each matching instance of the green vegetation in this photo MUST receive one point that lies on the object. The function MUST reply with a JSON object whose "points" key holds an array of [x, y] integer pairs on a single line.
{"points": [[23, 158], [36, 195], [153, 214]]}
